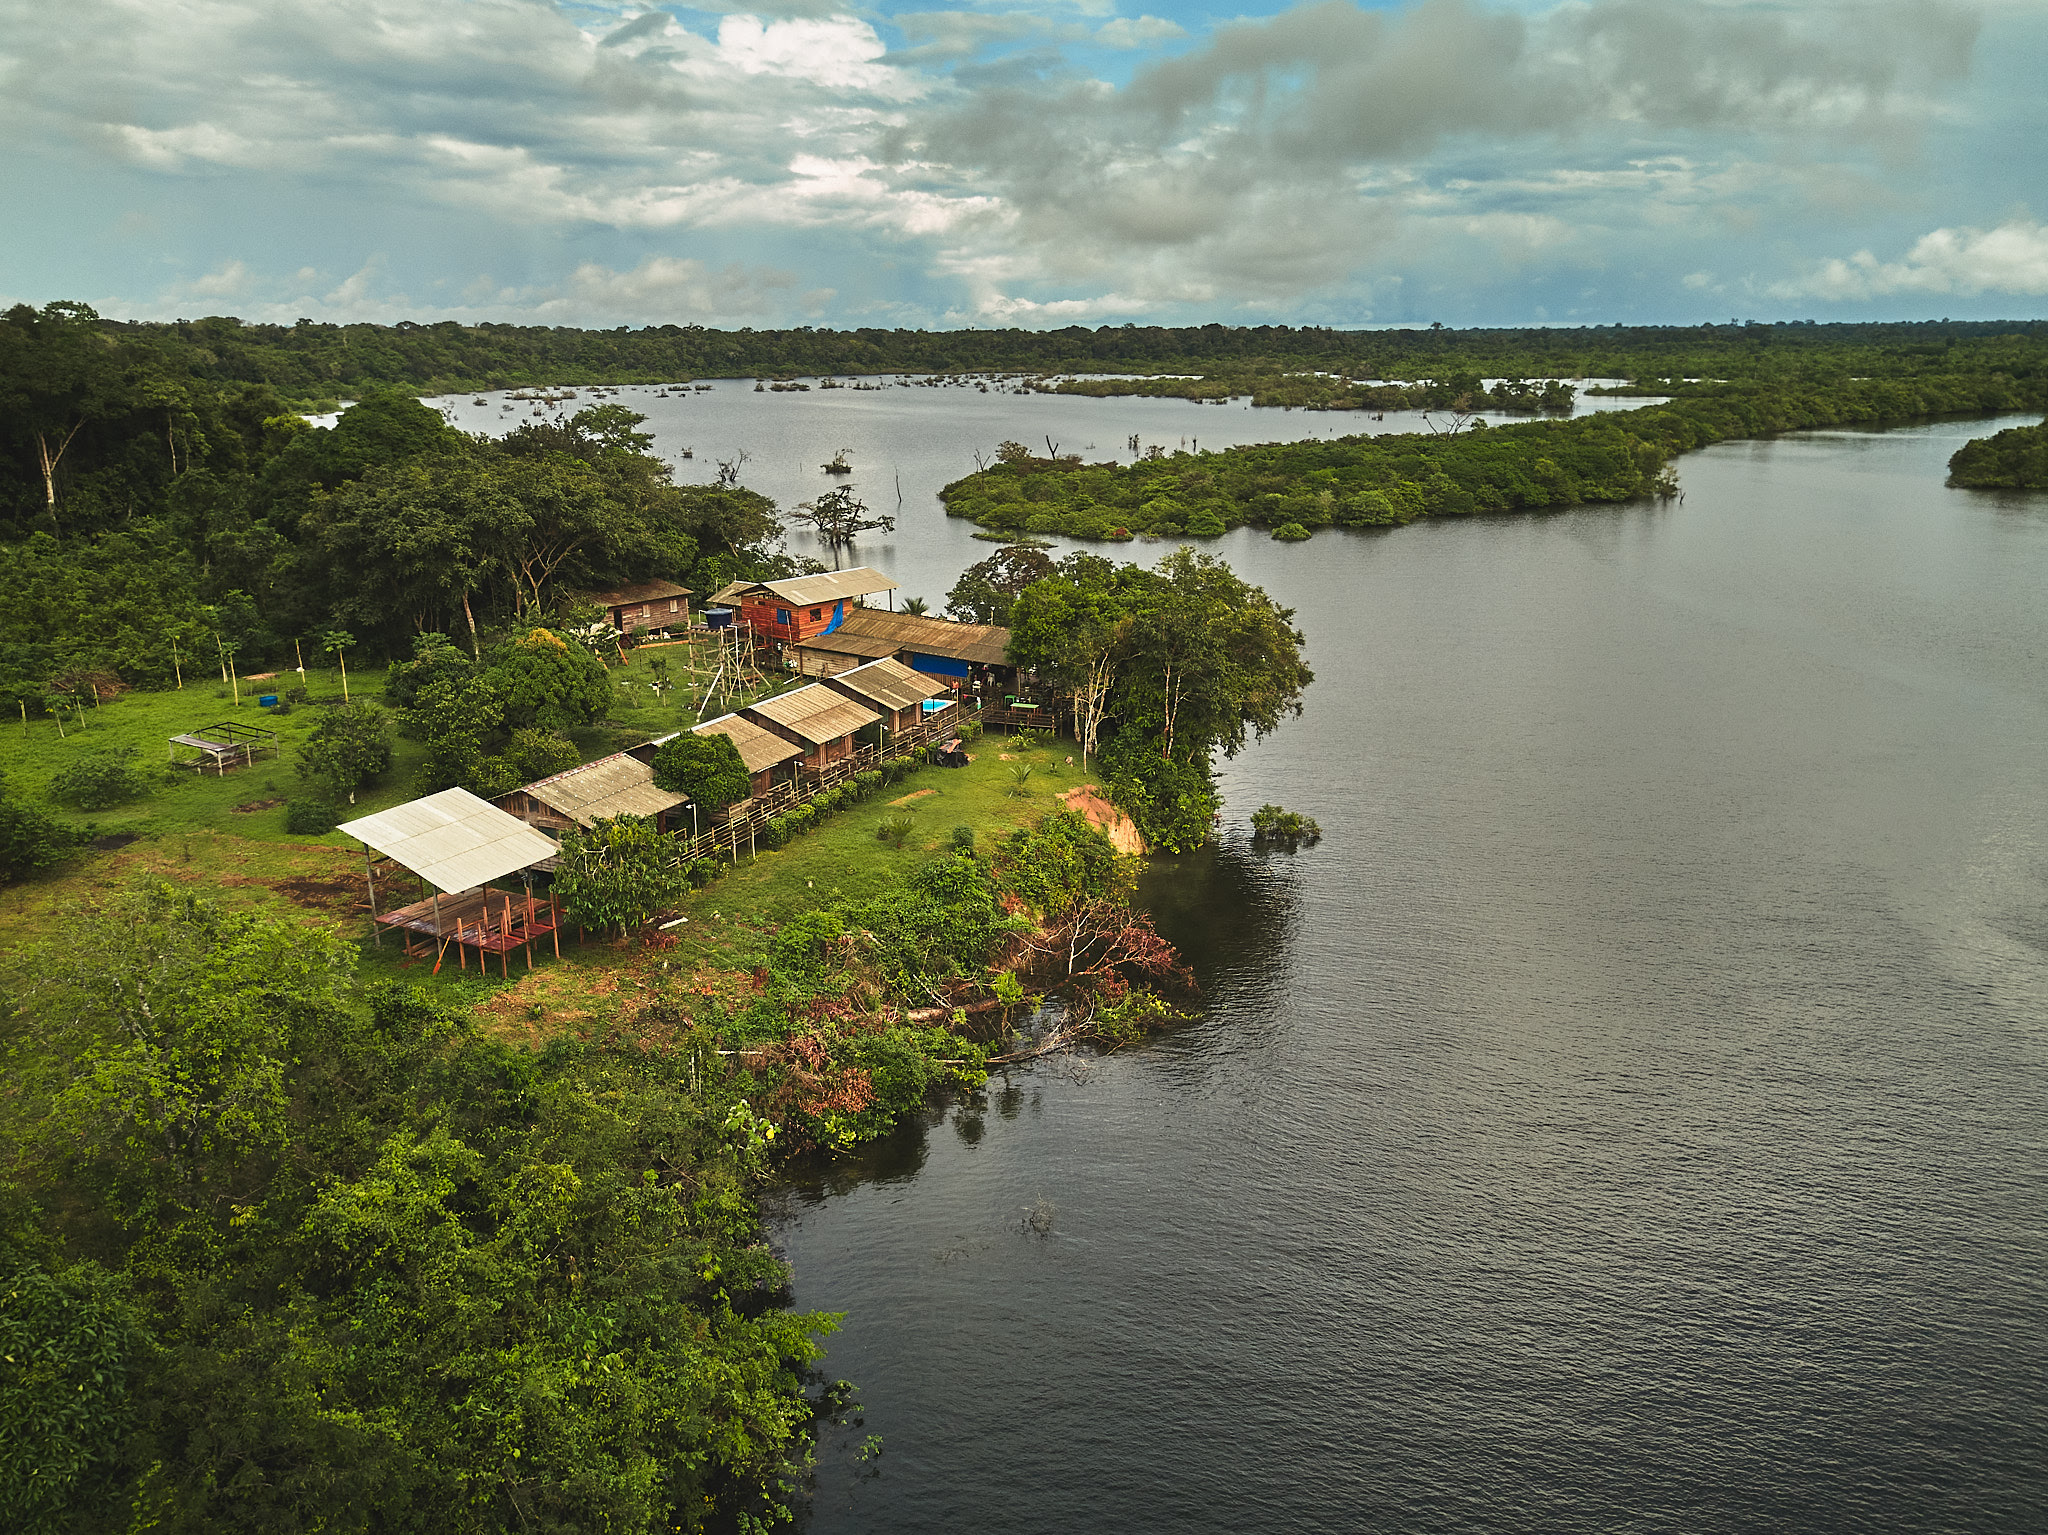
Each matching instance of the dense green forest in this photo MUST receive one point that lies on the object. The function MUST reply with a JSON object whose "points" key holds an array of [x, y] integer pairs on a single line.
{"points": [[280, 1251], [2016, 459], [314, 359], [158, 520], [1295, 488]]}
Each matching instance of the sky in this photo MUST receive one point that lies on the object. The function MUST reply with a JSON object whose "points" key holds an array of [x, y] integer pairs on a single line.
{"points": [[1045, 163]]}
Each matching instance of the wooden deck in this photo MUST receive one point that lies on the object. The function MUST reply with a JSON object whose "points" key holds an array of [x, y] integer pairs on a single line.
{"points": [[488, 921]]}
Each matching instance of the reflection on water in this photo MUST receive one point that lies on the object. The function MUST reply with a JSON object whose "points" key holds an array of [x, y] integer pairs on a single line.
{"points": [[1629, 1116]]}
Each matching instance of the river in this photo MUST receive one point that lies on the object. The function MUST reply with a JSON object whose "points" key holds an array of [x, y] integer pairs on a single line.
{"points": [[1630, 1117]]}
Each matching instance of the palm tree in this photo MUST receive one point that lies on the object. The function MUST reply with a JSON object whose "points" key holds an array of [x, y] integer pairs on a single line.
{"points": [[917, 607]]}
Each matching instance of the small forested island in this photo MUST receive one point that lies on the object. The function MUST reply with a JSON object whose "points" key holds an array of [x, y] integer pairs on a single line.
{"points": [[2015, 459], [1295, 488]]}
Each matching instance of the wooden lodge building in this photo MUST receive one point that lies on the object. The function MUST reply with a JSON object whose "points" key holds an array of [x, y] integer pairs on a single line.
{"points": [[620, 784], [786, 612], [644, 606], [818, 719], [902, 696], [935, 646]]}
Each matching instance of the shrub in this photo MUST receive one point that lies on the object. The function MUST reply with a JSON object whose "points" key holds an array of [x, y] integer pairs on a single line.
{"points": [[963, 841], [971, 731], [866, 783], [538, 754], [30, 841], [1275, 823], [350, 746], [280, 709], [98, 780], [311, 817], [1290, 533], [618, 873], [1020, 780], [896, 829], [774, 832], [296, 695], [706, 768]]}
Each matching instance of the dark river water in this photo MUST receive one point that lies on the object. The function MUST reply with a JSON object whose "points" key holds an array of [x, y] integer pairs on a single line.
{"points": [[1632, 1116]]}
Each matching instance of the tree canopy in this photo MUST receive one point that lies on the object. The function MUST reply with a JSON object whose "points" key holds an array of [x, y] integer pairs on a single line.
{"points": [[1163, 668]]}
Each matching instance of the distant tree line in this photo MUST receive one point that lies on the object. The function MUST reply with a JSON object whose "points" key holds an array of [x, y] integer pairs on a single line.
{"points": [[313, 359]]}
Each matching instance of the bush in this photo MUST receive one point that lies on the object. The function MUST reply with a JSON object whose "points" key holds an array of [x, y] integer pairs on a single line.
{"points": [[971, 731], [865, 784], [1290, 533], [618, 873], [280, 710], [896, 829], [350, 746], [296, 696], [774, 832], [311, 817], [1275, 823], [963, 841], [98, 781], [706, 768], [30, 841], [538, 754]]}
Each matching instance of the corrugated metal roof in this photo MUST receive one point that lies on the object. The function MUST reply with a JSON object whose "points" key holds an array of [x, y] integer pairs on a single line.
{"points": [[453, 840], [759, 749], [891, 684], [816, 713], [871, 631], [617, 785], [639, 591], [803, 591]]}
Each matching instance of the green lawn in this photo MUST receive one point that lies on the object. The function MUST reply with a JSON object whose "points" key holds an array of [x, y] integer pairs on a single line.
{"points": [[190, 831]]}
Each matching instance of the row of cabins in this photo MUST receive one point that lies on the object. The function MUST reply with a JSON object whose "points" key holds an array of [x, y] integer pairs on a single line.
{"points": [[883, 680], [804, 731]]}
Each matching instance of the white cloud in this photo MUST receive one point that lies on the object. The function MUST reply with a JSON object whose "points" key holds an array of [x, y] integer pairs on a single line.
{"points": [[2013, 258], [1138, 32]]}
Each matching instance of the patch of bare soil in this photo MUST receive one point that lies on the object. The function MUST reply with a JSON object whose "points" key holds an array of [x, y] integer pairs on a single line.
{"points": [[1121, 830], [255, 805]]}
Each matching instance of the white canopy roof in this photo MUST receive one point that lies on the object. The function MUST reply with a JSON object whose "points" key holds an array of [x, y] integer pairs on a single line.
{"points": [[453, 840]]}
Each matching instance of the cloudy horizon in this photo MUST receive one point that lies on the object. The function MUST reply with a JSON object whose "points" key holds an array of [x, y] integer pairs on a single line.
{"points": [[1070, 161]]}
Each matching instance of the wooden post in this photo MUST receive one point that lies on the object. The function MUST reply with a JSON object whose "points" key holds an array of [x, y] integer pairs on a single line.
{"points": [[554, 924], [370, 876], [440, 944]]}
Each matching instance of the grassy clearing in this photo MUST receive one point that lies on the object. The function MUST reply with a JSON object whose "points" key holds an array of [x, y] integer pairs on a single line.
{"points": [[190, 833]]}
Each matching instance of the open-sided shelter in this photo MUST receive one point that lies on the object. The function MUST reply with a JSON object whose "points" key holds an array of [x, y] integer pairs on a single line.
{"points": [[458, 845], [784, 612], [222, 746], [903, 696], [617, 785], [816, 718]]}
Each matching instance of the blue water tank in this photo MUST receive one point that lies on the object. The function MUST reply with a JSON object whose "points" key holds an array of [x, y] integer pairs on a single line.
{"points": [[718, 618], [267, 701]]}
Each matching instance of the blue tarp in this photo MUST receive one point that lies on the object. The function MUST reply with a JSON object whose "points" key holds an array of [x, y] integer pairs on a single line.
{"points": [[838, 617], [937, 666]]}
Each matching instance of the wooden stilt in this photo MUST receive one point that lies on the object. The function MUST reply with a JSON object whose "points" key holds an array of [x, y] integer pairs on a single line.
{"points": [[370, 876], [440, 943], [554, 924]]}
